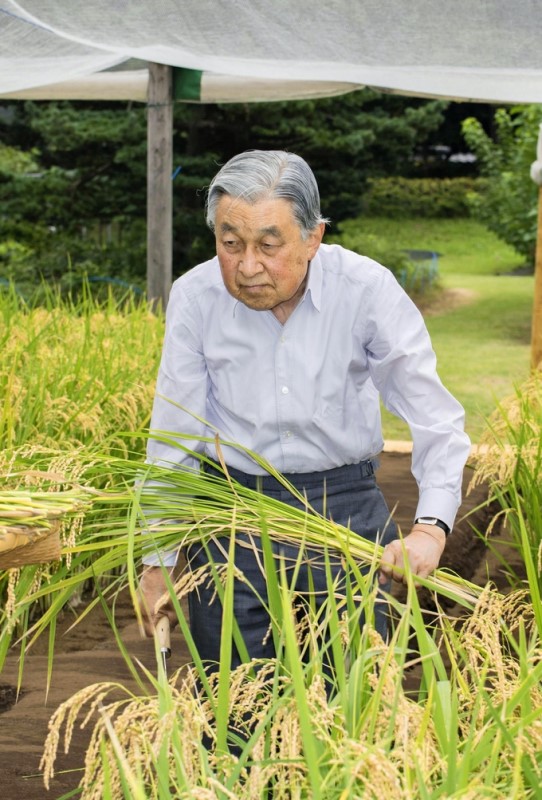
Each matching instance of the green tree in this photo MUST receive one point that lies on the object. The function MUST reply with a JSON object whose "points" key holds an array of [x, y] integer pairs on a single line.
{"points": [[80, 206], [346, 140], [90, 170], [509, 205]]}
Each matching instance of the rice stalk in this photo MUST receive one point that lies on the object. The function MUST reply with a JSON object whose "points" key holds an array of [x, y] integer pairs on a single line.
{"points": [[510, 461], [39, 509], [514, 432], [193, 507], [401, 754], [67, 391], [73, 377]]}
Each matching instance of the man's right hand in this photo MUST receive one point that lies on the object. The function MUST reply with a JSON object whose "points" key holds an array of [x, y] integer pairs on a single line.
{"points": [[152, 587]]}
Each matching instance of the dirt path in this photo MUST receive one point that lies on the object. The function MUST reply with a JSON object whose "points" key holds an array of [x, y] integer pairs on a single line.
{"points": [[88, 653]]}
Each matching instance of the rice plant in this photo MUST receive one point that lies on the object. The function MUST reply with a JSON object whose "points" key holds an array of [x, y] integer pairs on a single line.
{"points": [[187, 507], [76, 383], [288, 727], [73, 375], [323, 719], [472, 730], [510, 462]]}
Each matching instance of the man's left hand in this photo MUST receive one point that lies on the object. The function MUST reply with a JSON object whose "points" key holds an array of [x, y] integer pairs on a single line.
{"points": [[423, 548]]}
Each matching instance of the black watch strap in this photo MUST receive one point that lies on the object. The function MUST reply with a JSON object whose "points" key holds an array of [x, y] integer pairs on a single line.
{"points": [[433, 521]]}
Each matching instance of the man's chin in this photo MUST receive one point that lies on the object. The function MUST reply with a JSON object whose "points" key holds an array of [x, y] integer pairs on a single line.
{"points": [[257, 302]]}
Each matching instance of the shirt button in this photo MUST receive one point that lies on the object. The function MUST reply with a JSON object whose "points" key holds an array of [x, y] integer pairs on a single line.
{"points": [[288, 434], [285, 390]]}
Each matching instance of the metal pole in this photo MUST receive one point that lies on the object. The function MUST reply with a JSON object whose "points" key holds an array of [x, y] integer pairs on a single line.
{"points": [[159, 184]]}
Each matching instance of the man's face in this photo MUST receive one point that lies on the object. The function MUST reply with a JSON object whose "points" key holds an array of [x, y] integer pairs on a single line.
{"points": [[262, 256]]}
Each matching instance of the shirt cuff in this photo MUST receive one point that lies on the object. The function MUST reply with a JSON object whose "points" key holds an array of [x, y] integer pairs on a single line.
{"points": [[161, 558], [438, 503]]}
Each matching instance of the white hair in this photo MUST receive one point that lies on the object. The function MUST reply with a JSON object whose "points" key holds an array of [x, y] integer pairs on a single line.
{"points": [[261, 174]]}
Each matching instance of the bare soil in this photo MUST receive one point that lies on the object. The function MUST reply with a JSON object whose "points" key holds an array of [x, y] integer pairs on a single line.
{"points": [[445, 300], [88, 653]]}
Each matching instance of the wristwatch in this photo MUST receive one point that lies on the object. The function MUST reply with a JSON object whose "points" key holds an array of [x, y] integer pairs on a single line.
{"points": [[433, 521]]}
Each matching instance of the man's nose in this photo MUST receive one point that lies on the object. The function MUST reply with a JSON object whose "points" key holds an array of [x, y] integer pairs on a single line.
{"points": [[250, 263]]}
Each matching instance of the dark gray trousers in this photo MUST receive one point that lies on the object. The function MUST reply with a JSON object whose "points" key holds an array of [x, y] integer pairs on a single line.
{"points": [[349, 495]]}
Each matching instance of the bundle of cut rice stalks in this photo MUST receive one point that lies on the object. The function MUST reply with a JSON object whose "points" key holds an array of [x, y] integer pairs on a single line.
{"points": [[30, 525]]}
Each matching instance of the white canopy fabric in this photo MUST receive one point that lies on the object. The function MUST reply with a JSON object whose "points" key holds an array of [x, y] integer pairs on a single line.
{"points": [[191, 86], [486, 50]]}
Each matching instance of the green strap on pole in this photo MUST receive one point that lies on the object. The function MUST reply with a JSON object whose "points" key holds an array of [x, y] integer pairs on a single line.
{"points": [[187, 84]]}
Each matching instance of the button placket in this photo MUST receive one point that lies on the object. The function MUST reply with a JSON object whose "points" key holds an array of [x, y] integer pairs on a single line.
{"points": [[283, 383]]}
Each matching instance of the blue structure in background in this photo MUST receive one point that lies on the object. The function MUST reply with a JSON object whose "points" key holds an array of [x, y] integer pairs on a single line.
{"points": [[424, 272]]}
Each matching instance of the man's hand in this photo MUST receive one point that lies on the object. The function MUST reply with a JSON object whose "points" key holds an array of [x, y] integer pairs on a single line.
{"points": [[423, 547], [152, 587]]}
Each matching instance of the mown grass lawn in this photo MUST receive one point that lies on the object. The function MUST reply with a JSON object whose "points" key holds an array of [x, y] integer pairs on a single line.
{"points": [[480, 323]]}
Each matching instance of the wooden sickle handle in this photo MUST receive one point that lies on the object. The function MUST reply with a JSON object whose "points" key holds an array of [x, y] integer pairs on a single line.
{"points": [[163, 635]]}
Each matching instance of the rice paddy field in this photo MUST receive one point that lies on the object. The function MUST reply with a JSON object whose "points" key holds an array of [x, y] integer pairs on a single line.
{"points": [[450, 707]]}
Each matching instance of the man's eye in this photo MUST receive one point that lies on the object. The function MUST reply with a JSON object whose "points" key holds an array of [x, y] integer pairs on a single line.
{"points": [[231, 244], [268, 246]]}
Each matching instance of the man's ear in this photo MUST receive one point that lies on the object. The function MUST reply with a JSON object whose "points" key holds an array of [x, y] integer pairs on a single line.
{"points": [[314, 239]]}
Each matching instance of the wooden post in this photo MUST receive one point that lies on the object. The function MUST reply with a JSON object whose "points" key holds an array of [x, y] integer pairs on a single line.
{"points": [[536, 336], [159, 183]]}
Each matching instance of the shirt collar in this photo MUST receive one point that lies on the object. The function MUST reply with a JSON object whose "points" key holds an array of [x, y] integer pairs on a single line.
{"points": [[314, 283]]}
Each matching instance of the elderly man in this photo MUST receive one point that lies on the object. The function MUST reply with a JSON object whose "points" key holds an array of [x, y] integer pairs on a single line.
{"points": [[284, 345]]}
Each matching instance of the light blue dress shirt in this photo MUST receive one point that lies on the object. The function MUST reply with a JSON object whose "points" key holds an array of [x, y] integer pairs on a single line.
{"points": [[305, 395]]}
